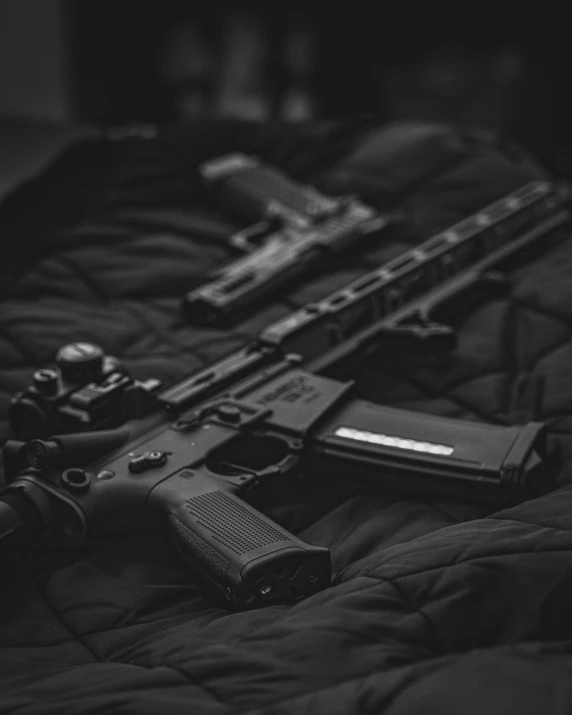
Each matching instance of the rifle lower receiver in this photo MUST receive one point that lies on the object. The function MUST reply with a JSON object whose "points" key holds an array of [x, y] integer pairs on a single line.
{"points": [[187, 477]]}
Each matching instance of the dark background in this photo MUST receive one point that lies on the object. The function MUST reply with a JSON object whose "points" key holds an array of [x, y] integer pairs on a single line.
{"points": [[162, 60]]}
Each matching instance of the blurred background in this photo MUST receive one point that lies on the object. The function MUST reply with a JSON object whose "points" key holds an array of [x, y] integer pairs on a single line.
{"points": [[156, 61]]}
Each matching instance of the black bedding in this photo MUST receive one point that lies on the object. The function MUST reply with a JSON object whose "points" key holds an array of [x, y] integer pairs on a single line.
{"points": [[435, 606]]}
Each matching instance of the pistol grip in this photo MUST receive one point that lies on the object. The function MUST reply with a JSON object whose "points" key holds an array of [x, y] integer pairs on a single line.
{"points": [[241, 558]]}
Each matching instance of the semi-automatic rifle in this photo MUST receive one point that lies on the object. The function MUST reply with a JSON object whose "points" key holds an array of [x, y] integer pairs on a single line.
{"points": [[261, 416]]}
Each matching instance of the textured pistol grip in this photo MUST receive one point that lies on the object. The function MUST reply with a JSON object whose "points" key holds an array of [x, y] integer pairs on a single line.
{"points": [[241, 558]]}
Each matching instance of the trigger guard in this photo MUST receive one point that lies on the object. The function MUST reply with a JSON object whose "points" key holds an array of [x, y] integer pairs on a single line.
{"points": [[286, 460]]}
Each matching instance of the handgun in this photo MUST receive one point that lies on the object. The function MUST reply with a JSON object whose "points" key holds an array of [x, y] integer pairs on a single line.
{"points": [[297, 230]]}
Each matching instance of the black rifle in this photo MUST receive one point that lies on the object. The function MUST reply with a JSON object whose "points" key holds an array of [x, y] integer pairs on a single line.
{"points": [[297, 228], [259, 416], [187, 476]]}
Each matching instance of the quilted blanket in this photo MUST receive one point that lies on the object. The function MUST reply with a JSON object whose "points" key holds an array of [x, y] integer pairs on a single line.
{"points": [[435, 606]]}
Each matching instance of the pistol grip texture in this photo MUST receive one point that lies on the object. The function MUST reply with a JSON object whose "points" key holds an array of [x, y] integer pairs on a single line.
{"points": [[241, 558]]}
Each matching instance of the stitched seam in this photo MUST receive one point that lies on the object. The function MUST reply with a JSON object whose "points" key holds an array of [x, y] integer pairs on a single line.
{"points": [[451, 517], [542, 310], [459, 402], [501, 518], [31, 359], [356, 678], [8, 648], [87, 280], [414, 608], [187, 676], [470, 559], [511, 372], [162, 336], [78, 639], [384, 579]]}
